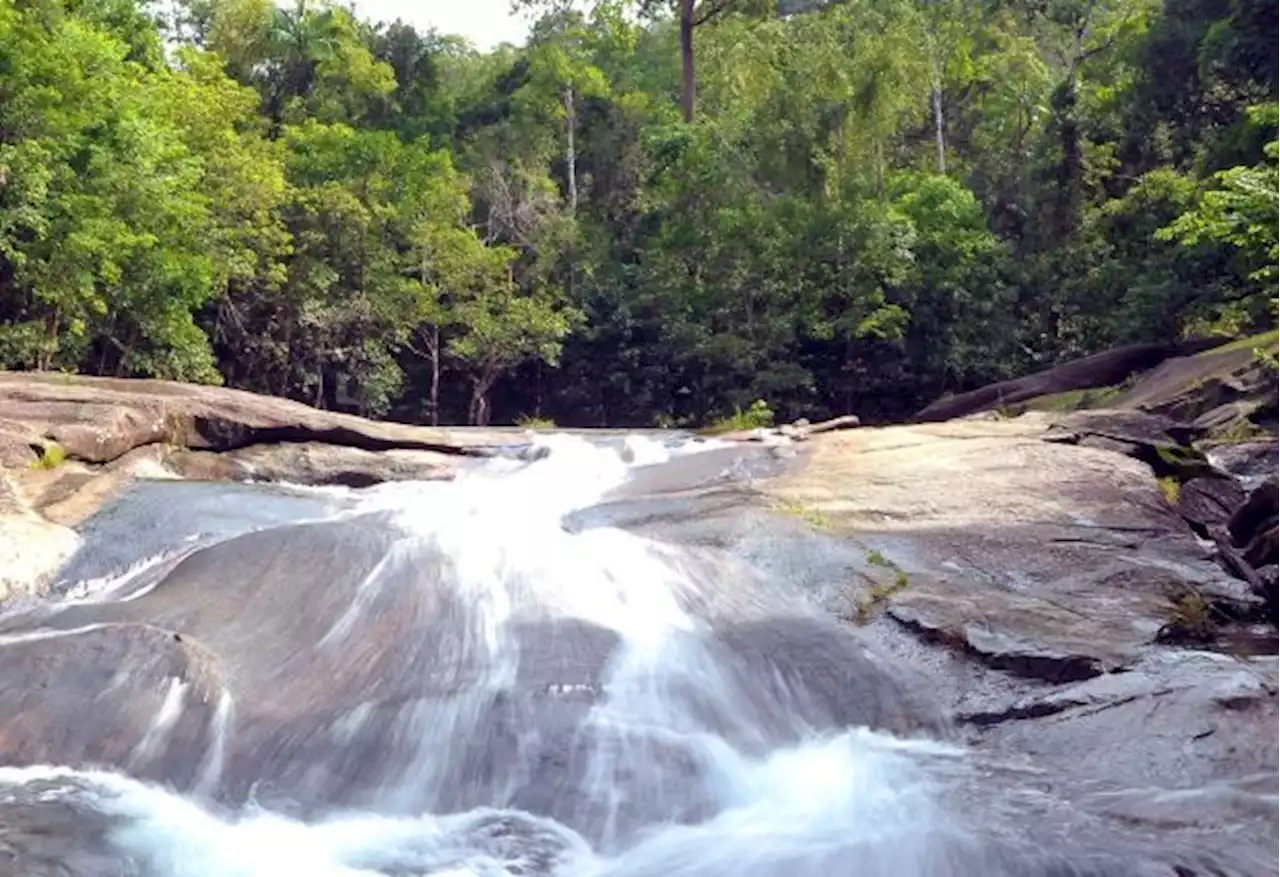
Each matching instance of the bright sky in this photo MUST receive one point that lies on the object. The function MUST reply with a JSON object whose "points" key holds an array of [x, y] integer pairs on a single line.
{"points": [[485, 22]]}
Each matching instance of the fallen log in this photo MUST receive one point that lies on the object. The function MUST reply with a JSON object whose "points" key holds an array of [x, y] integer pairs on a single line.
{"points": [[846, 421]]}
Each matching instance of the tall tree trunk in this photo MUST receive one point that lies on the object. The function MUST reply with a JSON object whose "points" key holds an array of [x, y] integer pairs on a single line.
{"points": [[434, 347], [479, 413], [570, 149], [879, 167], [1070, 172], [49, 348], [939, 124], [686, 57], [571, 161]]}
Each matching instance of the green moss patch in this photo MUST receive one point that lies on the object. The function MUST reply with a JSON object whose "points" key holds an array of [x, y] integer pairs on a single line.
{"points": [[1253, 342], [1075, 400], [808, 514], [52, 455]]}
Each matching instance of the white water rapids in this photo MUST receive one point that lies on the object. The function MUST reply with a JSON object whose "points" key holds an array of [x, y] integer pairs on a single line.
{"points": [[842, 800]]}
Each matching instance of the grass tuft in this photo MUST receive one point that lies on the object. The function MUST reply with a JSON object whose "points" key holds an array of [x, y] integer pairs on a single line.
{"points": [[875, 558], [867, 605], [1170, 488], [757, 416], [808, 514], [1190, 617], [51, 456]]}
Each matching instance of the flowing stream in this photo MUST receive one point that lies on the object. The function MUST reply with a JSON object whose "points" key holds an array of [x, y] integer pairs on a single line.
{"points": [[441, 679]]}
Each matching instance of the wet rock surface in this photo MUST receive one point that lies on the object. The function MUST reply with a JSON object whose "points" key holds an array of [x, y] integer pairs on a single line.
{"points": [[314, 464], [1030, 575], [69, 445], [32, 548], [1099, 370], [1215, 385], [97, 420], [272, 644], [1004, 584]]}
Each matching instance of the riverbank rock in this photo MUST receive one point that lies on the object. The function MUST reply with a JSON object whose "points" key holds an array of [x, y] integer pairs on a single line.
{"points": [[98, 420], [31, 547], [1226, 390], [1037, 578], [1051, 561], [70, 445], [1030, 569], [1102, 369], [1020, 575], [314, 464]]}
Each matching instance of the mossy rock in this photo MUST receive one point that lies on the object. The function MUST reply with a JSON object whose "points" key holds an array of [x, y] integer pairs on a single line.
{"points": [[1180, 462]]}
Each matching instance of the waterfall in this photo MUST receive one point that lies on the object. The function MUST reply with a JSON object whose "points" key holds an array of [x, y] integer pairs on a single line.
{"points": [[441, 679]]}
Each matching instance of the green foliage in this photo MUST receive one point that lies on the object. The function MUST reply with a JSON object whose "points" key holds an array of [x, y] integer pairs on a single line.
{"points": [[1236, 211], [1170, 488], [870, 603], [1189, 617], [876, 203], [535, 422], [52, 455], [1076, 400], [1261, 341], [757, 416], [1239, 430], [811, 516], [1268, 358]]}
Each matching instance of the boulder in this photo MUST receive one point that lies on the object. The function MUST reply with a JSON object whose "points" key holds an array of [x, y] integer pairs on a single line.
{"points": [[1209, 502], [72, 444], [1252, 462], [1257, 516], [100, 419], [1030, 578], [1098, 370], [1216, 389], [1263, 547], [314, 464], [31, 548], [1219, 387]]}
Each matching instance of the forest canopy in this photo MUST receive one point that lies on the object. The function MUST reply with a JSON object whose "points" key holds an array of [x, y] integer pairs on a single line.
{"points": [[652, 213]]}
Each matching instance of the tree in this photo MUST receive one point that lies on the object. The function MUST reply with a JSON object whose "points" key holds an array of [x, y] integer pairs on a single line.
{"points": [[120, 182], [690, 15], [880, 200], [1077, 32], [445, 256], [1237, 209]]}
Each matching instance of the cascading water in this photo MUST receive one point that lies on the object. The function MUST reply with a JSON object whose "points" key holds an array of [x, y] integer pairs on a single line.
{"points": [[439, 679]]}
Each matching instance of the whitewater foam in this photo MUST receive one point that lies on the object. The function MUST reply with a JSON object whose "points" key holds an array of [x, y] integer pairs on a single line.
{"points": [[768, 809]]}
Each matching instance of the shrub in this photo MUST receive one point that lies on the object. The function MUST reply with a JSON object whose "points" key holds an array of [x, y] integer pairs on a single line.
{"points": [[51, 456], [757, 416]]}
